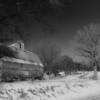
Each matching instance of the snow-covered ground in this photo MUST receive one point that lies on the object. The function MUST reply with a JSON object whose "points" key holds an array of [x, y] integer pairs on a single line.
{"points": [[73, 87]]}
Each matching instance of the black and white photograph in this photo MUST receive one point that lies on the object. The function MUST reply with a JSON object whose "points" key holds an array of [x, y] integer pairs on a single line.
{"points": [[49, 49]]}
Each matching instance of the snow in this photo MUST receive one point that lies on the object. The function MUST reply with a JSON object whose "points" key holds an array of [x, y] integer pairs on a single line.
{"points": [[20, 61], [72, 87]]}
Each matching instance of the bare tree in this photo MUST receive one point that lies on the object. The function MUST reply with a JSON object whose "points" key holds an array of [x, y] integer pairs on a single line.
{"points": [[48, 54], [89, 44], [65, 63]]}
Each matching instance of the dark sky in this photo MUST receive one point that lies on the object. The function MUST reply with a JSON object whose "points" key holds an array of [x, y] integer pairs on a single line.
{"points": [[65, 22]]}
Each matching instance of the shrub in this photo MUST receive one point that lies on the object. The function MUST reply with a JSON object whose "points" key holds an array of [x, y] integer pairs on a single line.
{"points": [[9, 76], [36, 75]]}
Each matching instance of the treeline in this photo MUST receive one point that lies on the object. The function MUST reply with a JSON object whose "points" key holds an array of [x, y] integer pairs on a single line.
{"points": [[67, 65], [54, 62]]}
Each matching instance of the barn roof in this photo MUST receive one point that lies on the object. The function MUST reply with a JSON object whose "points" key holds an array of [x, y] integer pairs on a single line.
{"points": [[28, 56], [23, 55], [14, 60]]}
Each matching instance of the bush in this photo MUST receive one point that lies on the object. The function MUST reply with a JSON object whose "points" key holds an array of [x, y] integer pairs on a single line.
{"points": [[36, 75], [9, 76]]}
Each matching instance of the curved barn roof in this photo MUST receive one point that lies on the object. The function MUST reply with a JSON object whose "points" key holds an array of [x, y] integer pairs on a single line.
{"points": [[21, 53], [28, 56]]}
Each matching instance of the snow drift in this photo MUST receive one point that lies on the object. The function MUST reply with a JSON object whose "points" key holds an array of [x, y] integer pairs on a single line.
{"points": [[67, 88]]}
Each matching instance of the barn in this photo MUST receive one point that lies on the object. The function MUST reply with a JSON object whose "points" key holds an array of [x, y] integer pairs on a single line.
{"points": [[24, 62]]}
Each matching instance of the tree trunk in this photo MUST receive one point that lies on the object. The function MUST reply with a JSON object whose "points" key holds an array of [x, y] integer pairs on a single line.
{"points": [[95, 73]]}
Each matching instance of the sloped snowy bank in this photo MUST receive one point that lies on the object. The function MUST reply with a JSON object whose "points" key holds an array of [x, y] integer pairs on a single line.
{"points": [[67, 88]]}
